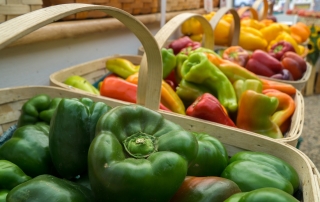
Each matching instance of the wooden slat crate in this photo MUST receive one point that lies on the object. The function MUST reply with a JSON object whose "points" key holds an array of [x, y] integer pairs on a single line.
{"points": [[178, 5]]}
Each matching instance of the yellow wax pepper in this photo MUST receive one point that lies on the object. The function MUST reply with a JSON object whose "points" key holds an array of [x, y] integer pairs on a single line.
{"points": [[284, 36], [248, 22], [252, 39], [271, 32]]}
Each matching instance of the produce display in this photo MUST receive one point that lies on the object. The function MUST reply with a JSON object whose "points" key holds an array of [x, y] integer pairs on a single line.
{"points": [[105, 152], [200, 83]]}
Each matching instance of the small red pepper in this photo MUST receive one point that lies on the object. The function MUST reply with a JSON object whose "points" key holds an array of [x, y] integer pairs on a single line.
{"points": [[208, 107], [118, 88], [295, 64], [278, 49], [182, 43], [237, 55], [262, 63]]}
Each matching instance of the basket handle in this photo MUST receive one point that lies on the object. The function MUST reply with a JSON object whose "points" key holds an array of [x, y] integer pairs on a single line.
{"points": [[164, 34], [254, 13], [263, 12], [235, 27], [20, 26]]}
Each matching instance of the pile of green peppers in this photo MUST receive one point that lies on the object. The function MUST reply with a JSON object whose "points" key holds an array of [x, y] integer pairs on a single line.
{"points": [[69, 149]]}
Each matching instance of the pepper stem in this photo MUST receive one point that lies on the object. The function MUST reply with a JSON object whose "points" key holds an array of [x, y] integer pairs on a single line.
{"points": [[140, 145]]}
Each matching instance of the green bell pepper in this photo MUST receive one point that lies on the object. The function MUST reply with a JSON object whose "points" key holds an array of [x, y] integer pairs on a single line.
{"points": [[72, 127], [49, 188], [137, 155], [198, 69], [254, 170], [69, 138], [28, 148], [11, 175], [168, 61], [81, 83], [263, 194], [32, 108], [47, 114], [212, 157], [3, 195]]}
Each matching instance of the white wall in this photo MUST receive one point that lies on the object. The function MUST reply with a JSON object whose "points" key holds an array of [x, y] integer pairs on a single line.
{"points": [[33, 64]]}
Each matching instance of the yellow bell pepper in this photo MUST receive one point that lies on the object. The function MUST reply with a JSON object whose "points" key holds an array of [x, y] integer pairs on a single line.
{"points": [[271, 32], [284, 36], [252, 39], [191, 27], [285, 27], [248, 22]]}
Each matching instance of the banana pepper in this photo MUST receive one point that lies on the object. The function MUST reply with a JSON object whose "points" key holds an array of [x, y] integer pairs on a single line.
{"points": [[198, 69], [169, 97], [81, 83], [121, 67], [252, 39]]}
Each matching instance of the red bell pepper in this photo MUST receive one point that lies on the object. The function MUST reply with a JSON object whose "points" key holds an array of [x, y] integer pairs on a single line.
{"points": [[118, 88], [295, 64], [278, 49], [208, 107], [182, 43], [262, 63]]}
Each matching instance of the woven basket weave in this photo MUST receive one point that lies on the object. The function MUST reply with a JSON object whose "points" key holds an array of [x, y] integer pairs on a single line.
{"points": [[12, 8], [179, 5]]}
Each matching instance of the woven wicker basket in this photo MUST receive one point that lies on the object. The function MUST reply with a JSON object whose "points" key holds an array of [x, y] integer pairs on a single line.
{"points": [[134, 7], [12, 99], [179, 5], [11, 9]]}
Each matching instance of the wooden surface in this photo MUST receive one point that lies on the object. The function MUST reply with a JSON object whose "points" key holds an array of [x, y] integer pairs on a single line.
{"points": [[78, 28]]}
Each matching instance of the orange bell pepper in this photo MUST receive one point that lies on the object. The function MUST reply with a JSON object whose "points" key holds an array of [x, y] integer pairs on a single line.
{"points": [[169, 97], [300, 32], [285, 108], [283, 87]]}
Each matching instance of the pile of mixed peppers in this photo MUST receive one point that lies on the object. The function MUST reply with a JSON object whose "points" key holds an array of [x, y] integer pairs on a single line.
{"points": [[198, 82], [80, 150]]}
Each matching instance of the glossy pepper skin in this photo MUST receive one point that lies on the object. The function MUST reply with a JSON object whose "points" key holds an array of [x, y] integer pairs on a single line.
{"points": [[31, 110], [236, 54], [136, 149], [189, 92], [271, 32], [253, 170], [262, 194], [180, 43], [284, 110], [261, 63], [69, 143], [168, 61], [278, 49], [118, 88], [11, 175], [47, 187], [241, 86], [29, 149], [283, 87], [252, 39], [122, 67], [169, 97], [258, 120], [3, 195], [47, 114], [212, 157], [202, 189], [208, 107], [198, 69], [295, 64], [233, 71], [81, 83]]}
